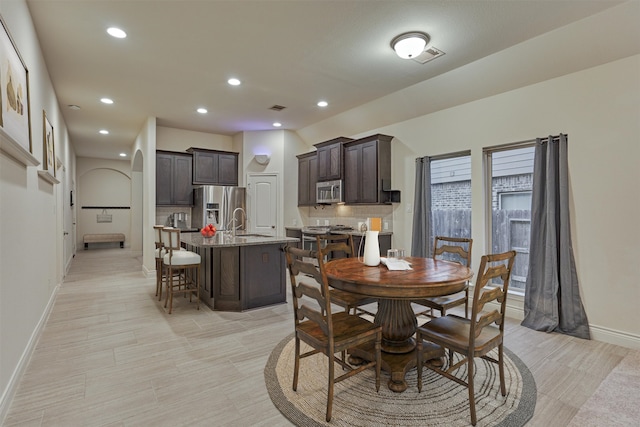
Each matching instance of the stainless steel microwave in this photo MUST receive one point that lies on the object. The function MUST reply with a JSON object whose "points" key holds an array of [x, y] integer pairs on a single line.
{"points": [[329, 192]]}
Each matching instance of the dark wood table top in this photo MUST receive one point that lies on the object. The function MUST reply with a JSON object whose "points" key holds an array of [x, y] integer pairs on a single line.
{"points": [[428, 278]]}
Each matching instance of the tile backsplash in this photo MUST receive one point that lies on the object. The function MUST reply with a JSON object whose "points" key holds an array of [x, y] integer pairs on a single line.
{"points": [[346, 215], [163, 212]]}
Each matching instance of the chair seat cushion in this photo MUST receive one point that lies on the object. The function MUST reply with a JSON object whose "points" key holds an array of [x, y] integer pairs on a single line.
{"points": [[453, 332], [344, 298], [181, 258], [344, 326], [160, 253]]}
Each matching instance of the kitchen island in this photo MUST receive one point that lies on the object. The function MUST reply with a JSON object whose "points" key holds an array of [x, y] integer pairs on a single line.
{"points": [[240, 272]]}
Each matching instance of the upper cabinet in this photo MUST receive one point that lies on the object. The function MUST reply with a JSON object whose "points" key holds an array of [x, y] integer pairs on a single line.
{"points": [[330, 158], [213, 167], [307, 178], [367, 170], [173, 179]]}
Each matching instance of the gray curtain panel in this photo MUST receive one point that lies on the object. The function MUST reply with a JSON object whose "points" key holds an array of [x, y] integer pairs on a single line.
{"points": [[421, 208], [552, 295]]}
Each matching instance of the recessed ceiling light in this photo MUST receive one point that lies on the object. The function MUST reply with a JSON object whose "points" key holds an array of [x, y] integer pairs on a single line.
{"points": [[106, 101], [123, 154], [116, 32], [202, 110], [73, 107], [234, 82], [277, 124], [104, 131], [322, 103]]}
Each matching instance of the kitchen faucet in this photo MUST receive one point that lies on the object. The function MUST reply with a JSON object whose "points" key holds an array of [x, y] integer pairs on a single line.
{"points": [[233, 219]]}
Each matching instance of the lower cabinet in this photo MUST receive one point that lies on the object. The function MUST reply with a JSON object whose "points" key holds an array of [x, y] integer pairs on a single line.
{"points": [[237, 278], [384, 241], [295, 233], [262, 271]]}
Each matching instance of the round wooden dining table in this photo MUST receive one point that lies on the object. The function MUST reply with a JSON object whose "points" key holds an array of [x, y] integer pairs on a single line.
{"points": [[395, 289]]}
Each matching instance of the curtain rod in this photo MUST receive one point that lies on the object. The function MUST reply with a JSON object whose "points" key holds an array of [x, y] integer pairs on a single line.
{"points": [[554, 138], [446, 156]]}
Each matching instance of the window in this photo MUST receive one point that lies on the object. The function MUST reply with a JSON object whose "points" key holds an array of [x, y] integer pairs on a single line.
{"points": [[450, 196], [515, 200], [510, 171]]}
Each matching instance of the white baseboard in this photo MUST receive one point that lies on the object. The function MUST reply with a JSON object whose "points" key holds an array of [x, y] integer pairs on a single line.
{"points": [[9, 392], [611, 336], [148, 273], [515, 310]]}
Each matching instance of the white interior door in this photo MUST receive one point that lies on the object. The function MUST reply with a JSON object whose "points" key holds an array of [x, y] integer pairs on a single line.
{"points": [[262, 201]]}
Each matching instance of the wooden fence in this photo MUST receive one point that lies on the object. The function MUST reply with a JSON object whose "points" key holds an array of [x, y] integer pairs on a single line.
{"points": [[511, 230]]}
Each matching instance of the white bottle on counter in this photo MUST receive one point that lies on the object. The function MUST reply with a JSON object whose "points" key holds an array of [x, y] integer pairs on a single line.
{"points": [[371, 249]]}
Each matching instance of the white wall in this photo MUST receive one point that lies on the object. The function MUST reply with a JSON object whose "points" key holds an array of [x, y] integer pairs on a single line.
{"points": [[265, 142], [145, 147], [33, 250], [171, 139], [599, 108], [102, 182]]}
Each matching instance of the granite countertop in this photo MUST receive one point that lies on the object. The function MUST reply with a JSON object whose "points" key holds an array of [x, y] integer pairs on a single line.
{"points": [[225, 239]]}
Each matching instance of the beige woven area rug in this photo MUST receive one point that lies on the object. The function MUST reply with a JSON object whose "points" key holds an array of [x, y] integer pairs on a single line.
{"points": [[356, 403]]}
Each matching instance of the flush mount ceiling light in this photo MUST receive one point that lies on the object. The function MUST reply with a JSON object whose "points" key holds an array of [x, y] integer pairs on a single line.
{"points": [[409, 45], [106, 100], [202, 110]]}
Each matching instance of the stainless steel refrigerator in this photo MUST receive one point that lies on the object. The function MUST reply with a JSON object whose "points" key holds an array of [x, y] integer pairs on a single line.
{"points": [[216, 204]]}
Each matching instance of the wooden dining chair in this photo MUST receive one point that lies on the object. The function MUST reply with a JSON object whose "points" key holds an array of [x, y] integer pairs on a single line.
{"points": [[477, 336], [342, 246], [455, 249], [316, 325]]}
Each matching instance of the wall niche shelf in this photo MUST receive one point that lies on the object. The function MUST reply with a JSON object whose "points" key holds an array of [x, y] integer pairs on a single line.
{"points": [[17, 151], [48, 177]]}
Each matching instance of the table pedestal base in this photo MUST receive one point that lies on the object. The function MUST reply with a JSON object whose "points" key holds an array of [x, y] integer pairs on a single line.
{"points": [[396, 364]]}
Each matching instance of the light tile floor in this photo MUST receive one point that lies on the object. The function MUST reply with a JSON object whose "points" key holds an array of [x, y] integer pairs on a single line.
{"points": [[110, 355]]}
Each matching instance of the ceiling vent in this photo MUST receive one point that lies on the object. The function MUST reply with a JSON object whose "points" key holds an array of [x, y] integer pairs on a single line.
{"points": [[277, 108], [428, 55]]}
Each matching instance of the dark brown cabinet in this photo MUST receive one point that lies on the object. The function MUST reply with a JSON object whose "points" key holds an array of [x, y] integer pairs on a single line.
{"points": [[330, 159], [367, 165], [213, 167], [173, 179], [295, 233], [243, 277], [384, 242], [307, 178], [225, 280], [262, 270]]}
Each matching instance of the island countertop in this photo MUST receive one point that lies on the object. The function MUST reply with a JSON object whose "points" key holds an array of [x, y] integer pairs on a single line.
{"points": [[221, 239]]}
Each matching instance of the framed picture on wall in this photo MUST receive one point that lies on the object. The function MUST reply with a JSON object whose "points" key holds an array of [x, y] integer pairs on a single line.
{"points": [[48, 146], [15, 121]]}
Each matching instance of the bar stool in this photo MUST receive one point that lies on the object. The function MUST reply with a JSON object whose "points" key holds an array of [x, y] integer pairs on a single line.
{"points": [[183, 268], [160, 252]]}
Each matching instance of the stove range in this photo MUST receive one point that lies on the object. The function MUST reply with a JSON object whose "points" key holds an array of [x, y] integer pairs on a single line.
{"points": [[324, 229]]}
